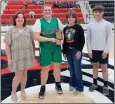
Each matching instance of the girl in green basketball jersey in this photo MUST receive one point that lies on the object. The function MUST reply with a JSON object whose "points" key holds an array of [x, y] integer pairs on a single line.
{"points": [[50, 48]]}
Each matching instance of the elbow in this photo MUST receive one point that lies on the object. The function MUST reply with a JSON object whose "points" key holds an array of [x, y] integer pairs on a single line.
{"points": [[36, 38], [7, 46]]}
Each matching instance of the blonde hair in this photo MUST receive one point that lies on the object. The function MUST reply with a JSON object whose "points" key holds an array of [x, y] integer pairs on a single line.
{"points": [[46, 5]]}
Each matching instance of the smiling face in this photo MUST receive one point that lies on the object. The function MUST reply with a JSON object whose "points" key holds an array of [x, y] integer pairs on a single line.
{"points": [[71, 20], [98, 11], [71, 17], [20, 20], [47, 12], [98, 15]]}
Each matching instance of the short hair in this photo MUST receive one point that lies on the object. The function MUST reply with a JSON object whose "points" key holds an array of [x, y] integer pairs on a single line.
{"points": [[73, 14], [98, 8], [15, 17]]}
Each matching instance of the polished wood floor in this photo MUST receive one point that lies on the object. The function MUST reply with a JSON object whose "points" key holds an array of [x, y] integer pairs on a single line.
{"points": [[53, 97]]}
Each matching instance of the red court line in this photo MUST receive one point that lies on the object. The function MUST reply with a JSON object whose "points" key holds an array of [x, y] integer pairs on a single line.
{"points": [[37, 67], [3, 58]]}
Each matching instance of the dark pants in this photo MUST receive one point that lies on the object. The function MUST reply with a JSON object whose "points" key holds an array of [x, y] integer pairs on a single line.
{"points": [[31, 16], [75, 69]]}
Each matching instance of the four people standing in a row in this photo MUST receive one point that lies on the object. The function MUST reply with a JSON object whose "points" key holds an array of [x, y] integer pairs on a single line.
{"points": [[20, 49]]}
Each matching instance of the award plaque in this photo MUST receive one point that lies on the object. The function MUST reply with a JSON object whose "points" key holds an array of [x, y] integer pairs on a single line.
{"points": [[58, 35]]}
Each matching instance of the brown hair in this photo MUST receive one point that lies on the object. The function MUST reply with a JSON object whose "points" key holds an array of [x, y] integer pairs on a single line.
{"points": [[98, 8], [73, 14], [15, 17]]}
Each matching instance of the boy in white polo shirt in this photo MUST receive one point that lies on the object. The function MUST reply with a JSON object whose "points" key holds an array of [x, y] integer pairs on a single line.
{"points": [[99, 34]]}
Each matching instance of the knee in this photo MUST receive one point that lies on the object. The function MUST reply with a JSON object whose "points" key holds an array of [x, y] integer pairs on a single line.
{"points": [[44, 71], [104, 70], [56, 66], [104, 67], [78, 73], [95, 66], [19, 74]]}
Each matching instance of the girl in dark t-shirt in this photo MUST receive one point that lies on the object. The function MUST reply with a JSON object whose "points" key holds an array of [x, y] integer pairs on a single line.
{"points": [[72, 50]]}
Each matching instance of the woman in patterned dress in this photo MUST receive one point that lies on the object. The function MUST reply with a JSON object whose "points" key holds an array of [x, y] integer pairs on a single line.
{"points": [[20, 52]]}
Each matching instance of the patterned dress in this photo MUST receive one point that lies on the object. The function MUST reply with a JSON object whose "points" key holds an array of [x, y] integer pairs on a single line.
{"points": [[22, 53]]}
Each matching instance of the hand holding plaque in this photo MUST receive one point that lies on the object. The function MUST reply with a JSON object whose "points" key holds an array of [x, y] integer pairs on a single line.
{"points": [[58, 35]]}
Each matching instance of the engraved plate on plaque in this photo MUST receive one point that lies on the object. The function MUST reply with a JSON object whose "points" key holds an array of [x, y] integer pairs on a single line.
{"points": [[58, 35]]}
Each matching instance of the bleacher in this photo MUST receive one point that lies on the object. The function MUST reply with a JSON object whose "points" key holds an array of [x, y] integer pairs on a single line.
{"points": [[108, 8], [13, 6]]}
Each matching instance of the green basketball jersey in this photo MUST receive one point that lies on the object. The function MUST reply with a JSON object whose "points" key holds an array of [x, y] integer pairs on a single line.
{"points": [[48, 30]]}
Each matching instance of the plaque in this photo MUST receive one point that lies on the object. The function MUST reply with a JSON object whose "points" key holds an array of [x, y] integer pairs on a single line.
{"points": [[58, 35]]}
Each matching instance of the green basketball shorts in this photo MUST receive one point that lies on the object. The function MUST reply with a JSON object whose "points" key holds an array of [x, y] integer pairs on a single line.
{"points": [[49, 55]]}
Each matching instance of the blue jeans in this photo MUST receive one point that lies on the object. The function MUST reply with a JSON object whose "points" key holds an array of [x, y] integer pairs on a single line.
{"points": [[75, 69]]}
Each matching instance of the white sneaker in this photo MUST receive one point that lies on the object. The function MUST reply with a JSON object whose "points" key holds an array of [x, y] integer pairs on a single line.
{"points": [[14, 97], [105, 90], [71, 88], [23, 95], [92, 87], [77, 92]]}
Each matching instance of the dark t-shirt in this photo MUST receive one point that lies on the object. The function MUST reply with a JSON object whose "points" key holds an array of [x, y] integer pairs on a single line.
{"points": [[73, 37]]}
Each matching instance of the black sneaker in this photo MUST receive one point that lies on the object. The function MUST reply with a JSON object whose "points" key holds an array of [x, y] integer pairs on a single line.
{"points": [[42, 92], [58, 88]]}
